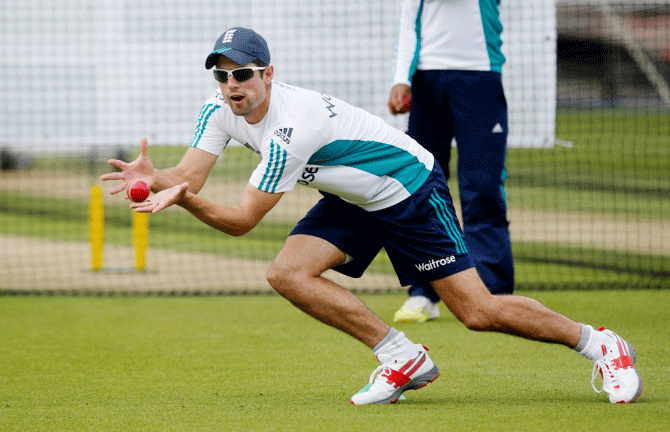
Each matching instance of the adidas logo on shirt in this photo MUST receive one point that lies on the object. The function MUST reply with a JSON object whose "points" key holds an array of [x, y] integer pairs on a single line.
{"points": [[284, 134], [497, 128]]}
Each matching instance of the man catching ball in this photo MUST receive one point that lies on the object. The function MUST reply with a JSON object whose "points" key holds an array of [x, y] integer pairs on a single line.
{"points": [[380, 189]]}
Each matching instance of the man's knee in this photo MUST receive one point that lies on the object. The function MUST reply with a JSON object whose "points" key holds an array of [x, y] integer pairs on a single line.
{"points": [[289, 278], [468, 299], [303, 258], [478, 319], [280, 276]]}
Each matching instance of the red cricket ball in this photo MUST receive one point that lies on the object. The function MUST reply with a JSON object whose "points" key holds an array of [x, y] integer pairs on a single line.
{"points": [[406, 102], [138, 190]]}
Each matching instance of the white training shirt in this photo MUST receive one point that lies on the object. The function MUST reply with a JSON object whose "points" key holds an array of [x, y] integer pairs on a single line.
{"points": [[321, 142], [448, 35]]}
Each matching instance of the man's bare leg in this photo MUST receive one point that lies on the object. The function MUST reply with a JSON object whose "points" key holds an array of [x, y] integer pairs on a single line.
{"points": [[468, 299], [296, 274], [466, 296]]}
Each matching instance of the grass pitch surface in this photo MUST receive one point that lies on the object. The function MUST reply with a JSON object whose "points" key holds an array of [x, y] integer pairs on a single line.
{"points": [[252, 363]]}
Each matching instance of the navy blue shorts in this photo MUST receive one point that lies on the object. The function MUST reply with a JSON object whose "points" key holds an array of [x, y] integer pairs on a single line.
{"points": [[421, 234]]}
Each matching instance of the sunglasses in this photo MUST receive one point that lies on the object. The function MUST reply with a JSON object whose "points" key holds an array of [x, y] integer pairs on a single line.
{"points": [[240, 74]]}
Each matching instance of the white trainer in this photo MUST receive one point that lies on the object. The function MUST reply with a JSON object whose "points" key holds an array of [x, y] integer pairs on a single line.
{"points": [[621, 381], [417, 309], [393, 377]]}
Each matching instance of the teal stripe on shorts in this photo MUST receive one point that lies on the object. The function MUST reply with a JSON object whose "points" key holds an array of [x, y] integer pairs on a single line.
{"points": [[450, 223]]}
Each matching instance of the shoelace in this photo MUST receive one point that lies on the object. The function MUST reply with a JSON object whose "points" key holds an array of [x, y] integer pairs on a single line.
{"points": [[604, 365], [376, 371]]}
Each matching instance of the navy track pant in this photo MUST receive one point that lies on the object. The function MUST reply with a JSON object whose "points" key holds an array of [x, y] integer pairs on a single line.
{"points": [[470, 106]]}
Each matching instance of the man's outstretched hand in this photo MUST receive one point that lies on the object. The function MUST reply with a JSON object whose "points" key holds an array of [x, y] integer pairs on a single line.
{"points": [[141, 168], [161, 200]]}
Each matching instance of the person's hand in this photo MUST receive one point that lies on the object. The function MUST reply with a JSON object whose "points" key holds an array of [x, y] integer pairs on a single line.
{"points": [[161, 200], [141, 168], [400, 99]]}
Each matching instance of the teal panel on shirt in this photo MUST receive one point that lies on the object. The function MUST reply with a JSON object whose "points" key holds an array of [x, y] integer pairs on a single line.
{"points": [[375, 158], [417, 48], [492, 29]]}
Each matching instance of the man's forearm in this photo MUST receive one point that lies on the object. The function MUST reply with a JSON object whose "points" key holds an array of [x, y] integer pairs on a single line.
{"points": [[223, 218], [193, 169], [166, 178]]}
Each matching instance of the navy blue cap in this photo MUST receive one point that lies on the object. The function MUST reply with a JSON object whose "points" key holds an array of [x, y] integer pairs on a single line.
{"points": [[241, 45]]}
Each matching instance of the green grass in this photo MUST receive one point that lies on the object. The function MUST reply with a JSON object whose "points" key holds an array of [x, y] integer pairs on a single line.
{"points": [[247, 363]]}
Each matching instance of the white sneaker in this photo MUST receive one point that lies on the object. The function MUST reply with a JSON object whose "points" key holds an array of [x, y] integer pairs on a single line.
{"points": [[393, 377], [417, 309], [621, 381]]}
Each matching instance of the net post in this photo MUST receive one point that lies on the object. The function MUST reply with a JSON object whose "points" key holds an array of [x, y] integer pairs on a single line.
{"points": [[140, 239], [96, 227]]}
